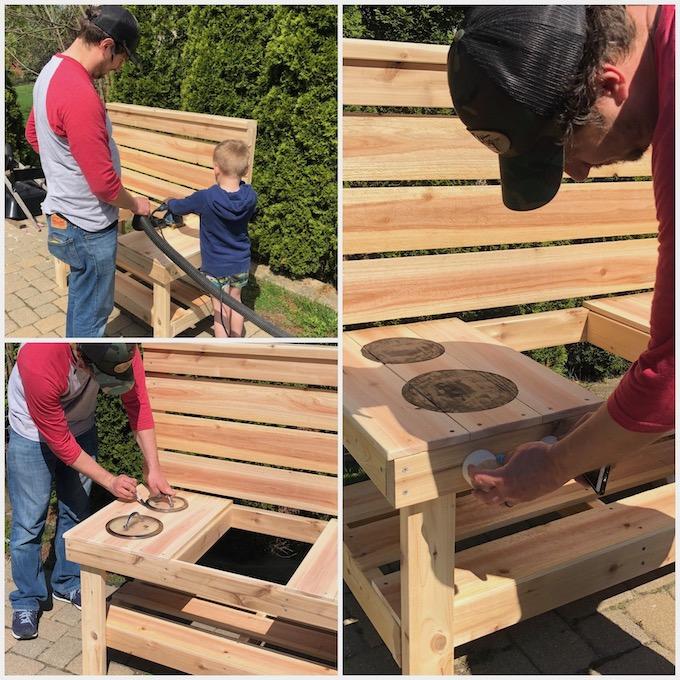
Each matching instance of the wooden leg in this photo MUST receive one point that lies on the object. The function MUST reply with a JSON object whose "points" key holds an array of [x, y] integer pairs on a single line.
{"points": [[60, 274], [161, 310], [427, 560], [93, 615]]}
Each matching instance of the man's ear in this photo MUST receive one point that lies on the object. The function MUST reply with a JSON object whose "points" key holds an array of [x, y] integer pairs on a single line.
{"points": [[613, 84]]}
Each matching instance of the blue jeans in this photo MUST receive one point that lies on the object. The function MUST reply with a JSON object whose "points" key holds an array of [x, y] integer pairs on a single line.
{"points": [[92, 258], [31, 467]]}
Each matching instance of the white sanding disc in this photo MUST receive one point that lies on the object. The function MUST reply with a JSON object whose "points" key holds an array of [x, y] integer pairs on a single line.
{"points": [[480, 458], [549, 439]]}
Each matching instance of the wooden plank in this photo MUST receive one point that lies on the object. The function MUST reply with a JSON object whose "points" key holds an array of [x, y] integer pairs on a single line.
{"points": [[378, 148], [461, 282], [184, 123], [375, 605], [632, 310], [193, 176], [513, 578], [363, 502], [289, 488], [427, 566], [315, 643], [414, 218], [160, 310], [318, 572], [93, 620], [205, 538], [198, 652], [283, 447], [271, 404], [296, 527], [292, 363], [540, 329], [376, 543], [388, 50], [152, 187], [617, 338], [136, 298], [166, 146], [390, 83], [211, 584]]}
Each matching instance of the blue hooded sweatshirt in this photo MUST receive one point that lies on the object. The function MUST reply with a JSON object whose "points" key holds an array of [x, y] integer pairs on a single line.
{"points": [[225, 246]]}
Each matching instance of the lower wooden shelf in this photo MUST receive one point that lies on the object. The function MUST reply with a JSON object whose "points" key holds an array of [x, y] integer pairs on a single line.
{"points": [[586, 547]]}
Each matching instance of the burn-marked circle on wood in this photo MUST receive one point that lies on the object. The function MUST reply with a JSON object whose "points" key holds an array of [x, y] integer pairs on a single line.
{"points": [[459, 391], [134, 525], [402, 350]]}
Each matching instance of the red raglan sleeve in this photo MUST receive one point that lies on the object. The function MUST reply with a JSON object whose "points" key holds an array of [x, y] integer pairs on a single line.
{"points": [[30, 133], [136, 401], [82, 120], [44, 369]]}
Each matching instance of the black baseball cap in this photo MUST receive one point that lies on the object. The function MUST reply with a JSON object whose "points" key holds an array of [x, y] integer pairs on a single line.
{"points": [[119, 24], [111, 363], [509, 70]]}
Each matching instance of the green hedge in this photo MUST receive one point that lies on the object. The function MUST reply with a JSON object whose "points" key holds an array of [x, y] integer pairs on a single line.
{"points": [[14, 124], [277, 64]]}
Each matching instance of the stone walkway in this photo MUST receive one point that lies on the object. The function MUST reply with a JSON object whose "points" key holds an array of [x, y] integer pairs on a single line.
{"points": [[34, 308], [626, 630], [57, 649]]}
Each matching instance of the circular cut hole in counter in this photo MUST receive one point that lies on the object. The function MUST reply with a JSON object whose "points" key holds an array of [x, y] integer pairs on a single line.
{"points": [[459, 391], [402, 350]]}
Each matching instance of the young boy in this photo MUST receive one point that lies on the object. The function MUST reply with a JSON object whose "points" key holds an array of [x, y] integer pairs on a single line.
{"points": [[225, 210]]}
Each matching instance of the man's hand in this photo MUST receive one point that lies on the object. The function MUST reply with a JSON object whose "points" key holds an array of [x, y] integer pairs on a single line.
{"points": [[123, 487], [142, 206], [158, 484], [531, 471]]}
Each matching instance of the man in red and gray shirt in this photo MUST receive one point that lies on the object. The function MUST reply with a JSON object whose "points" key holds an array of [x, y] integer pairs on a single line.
{"points": [[555, 89], [52, 396], [70, 129]]}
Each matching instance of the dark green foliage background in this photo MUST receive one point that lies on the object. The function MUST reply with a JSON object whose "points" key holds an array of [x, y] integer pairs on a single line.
{"points": [[14, 124], [436, 24], [277, 64]]}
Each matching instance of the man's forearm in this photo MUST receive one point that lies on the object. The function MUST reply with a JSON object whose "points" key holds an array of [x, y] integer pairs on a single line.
{"points": [[124, 200], [88, 466], [598, 441], [146, 440]]}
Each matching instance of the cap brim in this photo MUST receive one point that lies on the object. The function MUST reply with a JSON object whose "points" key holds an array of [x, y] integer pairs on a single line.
{"points": [[132, 56], [106, 380], [531, 180]]}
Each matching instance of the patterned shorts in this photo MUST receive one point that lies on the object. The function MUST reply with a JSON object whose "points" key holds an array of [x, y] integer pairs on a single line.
{"points": [[232, 281]]}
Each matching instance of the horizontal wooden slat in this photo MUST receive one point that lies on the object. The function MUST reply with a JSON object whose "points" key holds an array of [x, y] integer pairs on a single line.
{"points": [[413, 218], [315, 643], [284, 447], [259, 521], [376, 543], [186, 174], [136, 298], [632, 310], [376, 290], [289, 488], [153, 188], [286, 363], [187, 150], [184, 123], [430, 147], [393, 84], [195, 651], [540, 329], [389, 50], [516, 577], [271, 404]]}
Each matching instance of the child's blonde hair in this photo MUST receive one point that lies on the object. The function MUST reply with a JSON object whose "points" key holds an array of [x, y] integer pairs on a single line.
{"points": [[232, 157]]}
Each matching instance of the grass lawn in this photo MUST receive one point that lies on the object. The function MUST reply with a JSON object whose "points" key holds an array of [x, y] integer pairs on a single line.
{"points": [[291, 312], [25, 98]]}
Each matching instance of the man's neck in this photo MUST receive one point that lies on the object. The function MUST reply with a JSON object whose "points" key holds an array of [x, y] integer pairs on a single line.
{"points": [[84, 55]]}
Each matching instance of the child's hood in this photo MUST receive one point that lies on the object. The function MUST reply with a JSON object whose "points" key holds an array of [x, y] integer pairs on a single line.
{"points": [[232, 205]]}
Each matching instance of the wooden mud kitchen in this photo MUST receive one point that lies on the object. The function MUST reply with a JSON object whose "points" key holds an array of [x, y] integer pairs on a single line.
{"points": [[420, 396], [247, 435]]}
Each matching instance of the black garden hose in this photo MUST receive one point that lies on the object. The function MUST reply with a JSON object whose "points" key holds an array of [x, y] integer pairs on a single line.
{"points": [[146, 225]]}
